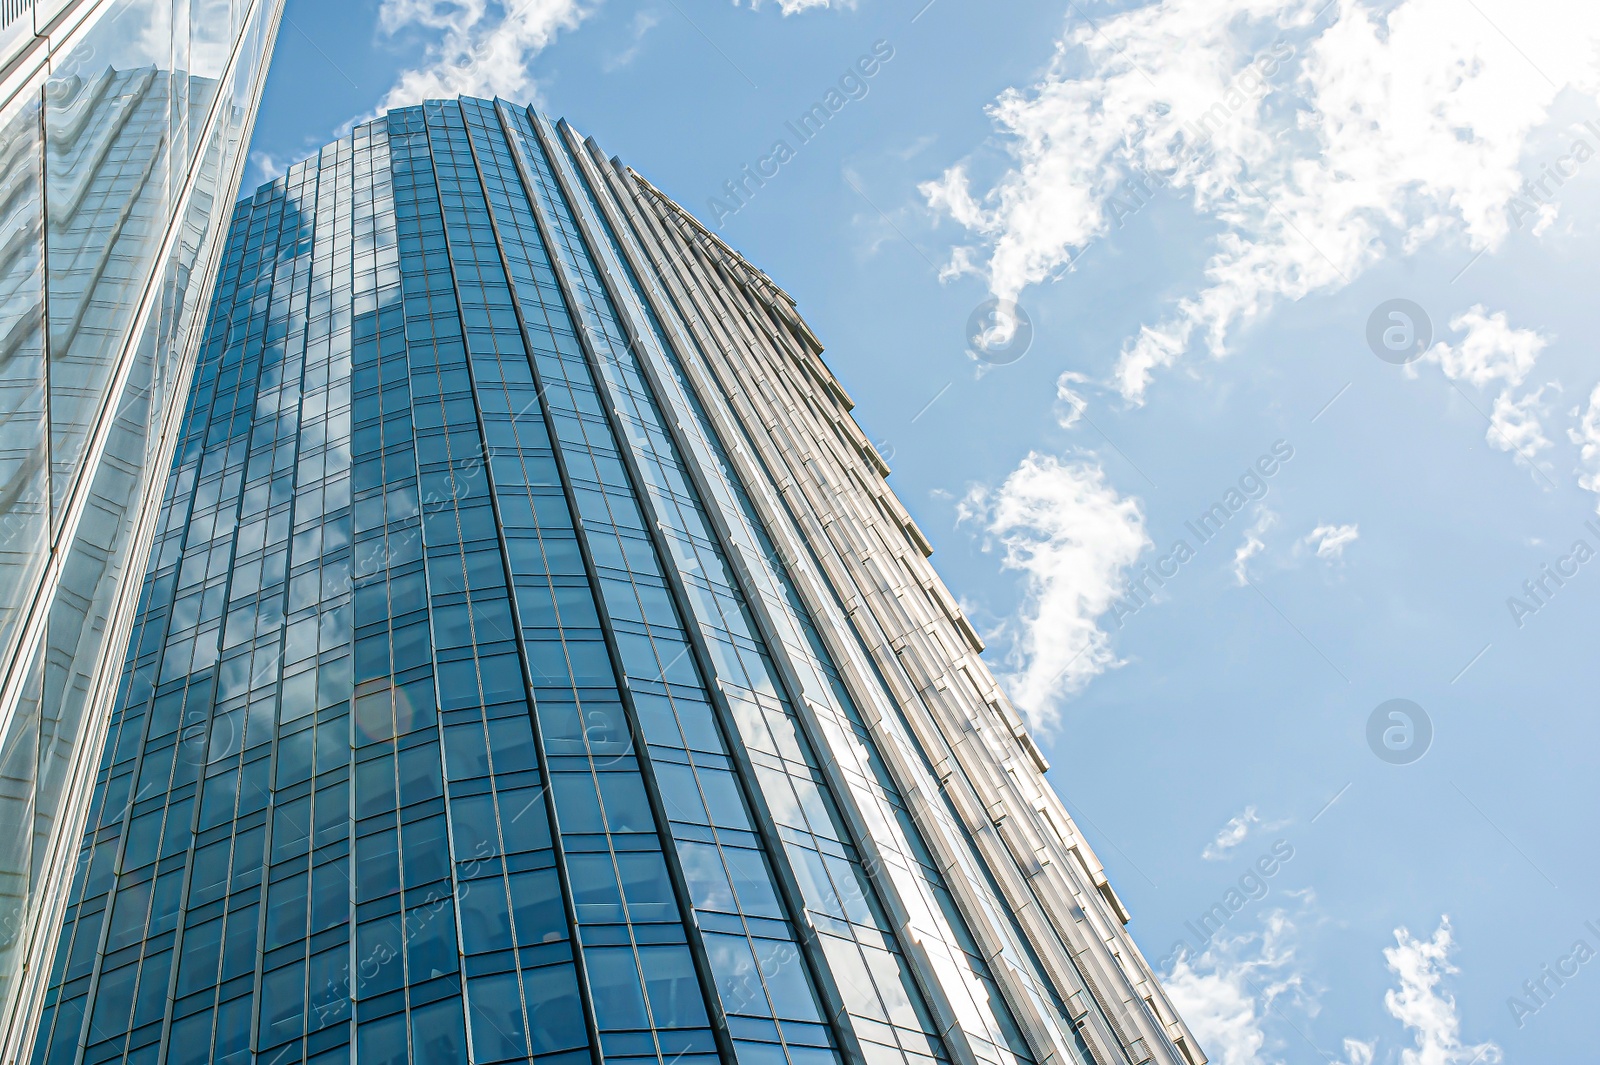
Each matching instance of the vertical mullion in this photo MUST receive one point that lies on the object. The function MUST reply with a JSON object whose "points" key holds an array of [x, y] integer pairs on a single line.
{"points": [[547, 781], [276, 207], [127, 816], [854, 828], [703, 968], [640, 747], [767, 828]]}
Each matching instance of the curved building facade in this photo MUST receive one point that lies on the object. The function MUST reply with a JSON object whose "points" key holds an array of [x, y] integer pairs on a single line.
{"points": [[122, 133], [534, 664]]}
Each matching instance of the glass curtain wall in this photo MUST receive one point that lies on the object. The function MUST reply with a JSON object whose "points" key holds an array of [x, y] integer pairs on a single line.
{"points": [[116, 166]]}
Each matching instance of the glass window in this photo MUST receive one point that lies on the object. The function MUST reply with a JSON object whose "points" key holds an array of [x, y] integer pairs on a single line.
{"points": [[536, 903], [437, 1035], [554, 1011], [379, 967], [646, 887], [112, 1003], [24, 487], [595, 894], [752, 879], [783, 970], [282, 1001], [675, 999], [485, 915], [615, 986], [190, 1043], [497, 1032], [18, 766], [383, 1042], [431, 938], [427, 852], [110, 196], [286, 911], [627, 808], [199, 967]]}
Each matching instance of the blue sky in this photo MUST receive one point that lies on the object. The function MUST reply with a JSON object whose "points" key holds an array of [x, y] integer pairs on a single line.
{"points": [[1200, 206]]}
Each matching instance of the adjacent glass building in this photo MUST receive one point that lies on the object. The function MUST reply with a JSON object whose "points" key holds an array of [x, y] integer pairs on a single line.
{"points": [[122, 124], [534, 665]]}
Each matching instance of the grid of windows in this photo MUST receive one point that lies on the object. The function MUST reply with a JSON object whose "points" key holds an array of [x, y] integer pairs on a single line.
{"points": [[326, 774], [470, 713], [750, 946], [120, 155]]}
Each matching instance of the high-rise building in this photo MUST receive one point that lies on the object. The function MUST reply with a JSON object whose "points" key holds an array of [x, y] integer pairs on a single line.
{"points": [[533, 663], [122, 124]]}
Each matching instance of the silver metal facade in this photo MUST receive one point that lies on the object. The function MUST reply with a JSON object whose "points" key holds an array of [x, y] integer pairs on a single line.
{"points": [[841, 548], [123, 125]]}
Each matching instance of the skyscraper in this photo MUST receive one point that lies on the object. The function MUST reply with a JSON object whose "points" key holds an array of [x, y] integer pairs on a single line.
{"points": [[533, 662], [122, 124]]}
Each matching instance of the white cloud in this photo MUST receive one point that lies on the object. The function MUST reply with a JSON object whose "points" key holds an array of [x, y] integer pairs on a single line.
{"points": [[1316, 134], [1587, 437], [1073, 537], [1219, 1008], [1226, 993], [1425, 1009], [1493, 351], [960, 264], [1070, 403], [1217, 995], [1358, 1053], [1514, 425], [643, 22], [1253, 544], [794, 7], [269, 166], [475, 48], [1233, 833], [1490, 351], [1329, 541]]}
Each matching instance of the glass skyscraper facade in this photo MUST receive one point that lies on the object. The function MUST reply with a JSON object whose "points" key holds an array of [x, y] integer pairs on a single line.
{"points": [[533, 664], [122, 128]]}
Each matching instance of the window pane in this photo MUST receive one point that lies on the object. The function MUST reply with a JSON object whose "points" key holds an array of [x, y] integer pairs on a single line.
{"points": [[614, 984], [497, 1033], [24, 491], [107, 124]]}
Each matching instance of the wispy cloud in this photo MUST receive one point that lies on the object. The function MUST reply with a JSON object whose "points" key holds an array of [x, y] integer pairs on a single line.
{"points": [[643, 22], [268, 166], [1329, 541], [1428, 1011], [1234, 994], [1516, 425], [1225, 993], [1489, 351], [1587, 436], [1073, 538], [476, 48], [1235, 832], [1318, 136], [794, 7], [1070, 403], [1253, 544], [1357, 1052]]}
